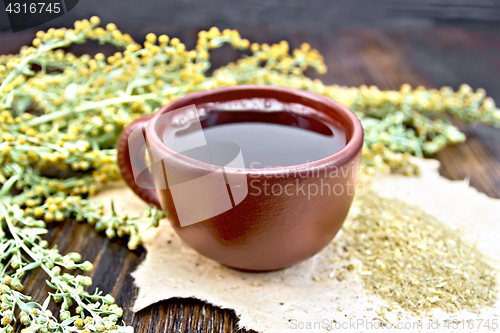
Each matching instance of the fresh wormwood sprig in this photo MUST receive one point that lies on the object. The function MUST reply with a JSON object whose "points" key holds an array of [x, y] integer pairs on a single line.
{"points": [[24, 249], [61, 114], [102, 95]]}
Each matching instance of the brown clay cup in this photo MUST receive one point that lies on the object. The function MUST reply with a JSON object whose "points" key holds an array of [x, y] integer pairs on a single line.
{"points": [[261, 232]]}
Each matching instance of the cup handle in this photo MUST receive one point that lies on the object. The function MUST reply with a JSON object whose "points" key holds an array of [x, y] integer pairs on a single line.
{"points": [[125, 162]]}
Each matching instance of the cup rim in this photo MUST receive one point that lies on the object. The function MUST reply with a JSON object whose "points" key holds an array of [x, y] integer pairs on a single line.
{"points": [[339, 158]]}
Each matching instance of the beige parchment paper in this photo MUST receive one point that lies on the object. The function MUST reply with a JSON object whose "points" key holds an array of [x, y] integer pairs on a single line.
{"points": [[309, 297]]}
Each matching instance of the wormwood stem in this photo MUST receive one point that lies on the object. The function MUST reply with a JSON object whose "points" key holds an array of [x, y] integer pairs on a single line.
{"points": [[22, 65], [89, 106], [8, 185]]}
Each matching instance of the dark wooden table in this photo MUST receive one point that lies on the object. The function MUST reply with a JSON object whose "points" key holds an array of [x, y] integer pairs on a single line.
{"points": [[432, 57]]}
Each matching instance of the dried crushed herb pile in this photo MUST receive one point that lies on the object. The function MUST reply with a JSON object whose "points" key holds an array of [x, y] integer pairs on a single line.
{"points": [[414, 261]]}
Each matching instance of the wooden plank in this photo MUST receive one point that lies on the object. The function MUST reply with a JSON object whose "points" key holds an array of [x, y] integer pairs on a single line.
{"points": [[316, 15]]}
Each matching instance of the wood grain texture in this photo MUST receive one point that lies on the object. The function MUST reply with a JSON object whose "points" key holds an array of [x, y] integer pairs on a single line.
{"points": [[317, 15], [431, 57]]}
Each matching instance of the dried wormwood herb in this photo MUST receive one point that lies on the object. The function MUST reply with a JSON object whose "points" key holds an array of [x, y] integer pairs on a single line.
{"points": [[412, 260]]}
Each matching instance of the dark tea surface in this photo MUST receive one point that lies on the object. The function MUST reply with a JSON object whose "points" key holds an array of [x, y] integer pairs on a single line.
{"points": [[271, 136]]}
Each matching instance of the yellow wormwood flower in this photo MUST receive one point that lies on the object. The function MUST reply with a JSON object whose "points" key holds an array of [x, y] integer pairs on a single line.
{"points": [[180, 48], [116, 34], [174, 41], [100, 31], [93, 65], [213, 33], [163, 39], [305, 47], [95, 20], [110, 27], [48, 217], [151, 38], [108, 128], [59, 33], [245, 43], [489, 103], [99, 57], [155, 49], [38, 212], [204, 55], [7, 137], [79, 26]]}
